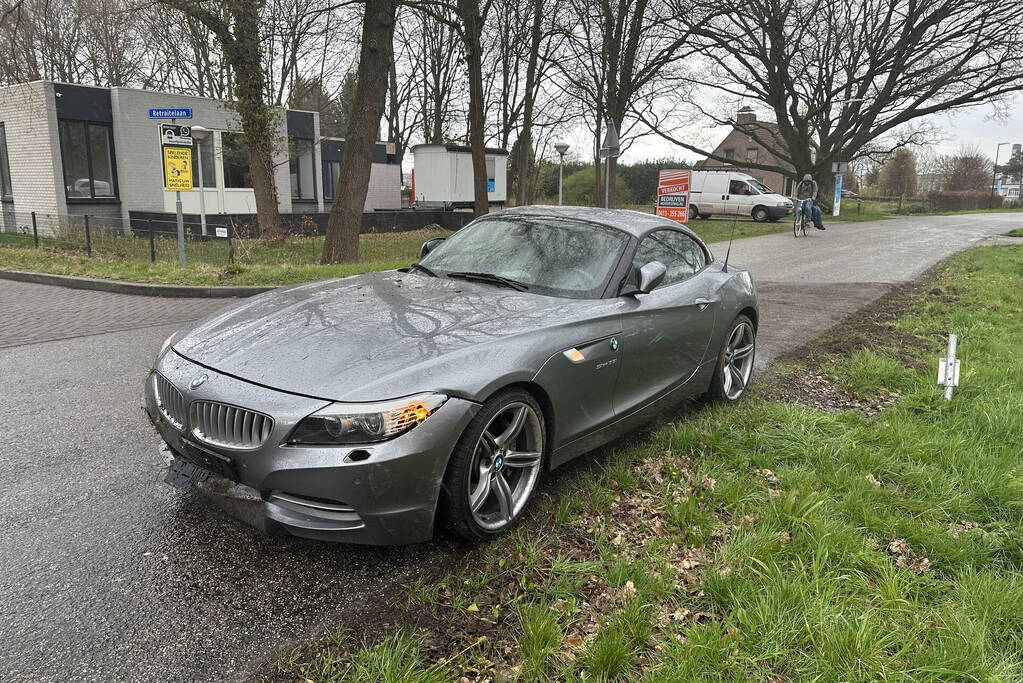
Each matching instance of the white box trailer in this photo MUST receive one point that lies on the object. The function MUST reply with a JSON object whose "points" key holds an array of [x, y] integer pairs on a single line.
{"points": [[442, 176]]}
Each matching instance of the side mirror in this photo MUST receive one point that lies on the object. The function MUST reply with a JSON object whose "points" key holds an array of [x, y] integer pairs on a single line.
{"points": [[430, 245], [650, 276]]}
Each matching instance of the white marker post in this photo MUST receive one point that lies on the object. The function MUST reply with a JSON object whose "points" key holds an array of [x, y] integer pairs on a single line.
{"points": [[948, 368]]}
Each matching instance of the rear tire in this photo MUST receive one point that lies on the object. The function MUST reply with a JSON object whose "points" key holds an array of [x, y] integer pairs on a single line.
{"points": [[494, 467], [694, 213], [734, 368]]}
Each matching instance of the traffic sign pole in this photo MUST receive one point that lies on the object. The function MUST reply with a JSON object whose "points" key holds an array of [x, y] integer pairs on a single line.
{"points": [[182, 259]]}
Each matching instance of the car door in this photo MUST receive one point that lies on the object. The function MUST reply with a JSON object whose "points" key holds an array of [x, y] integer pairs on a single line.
{"points": [[740, 197], [665, 332]]}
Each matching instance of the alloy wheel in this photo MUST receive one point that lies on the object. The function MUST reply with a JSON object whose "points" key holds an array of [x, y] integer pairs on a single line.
{"points": [[738, 361], [505, 466]]}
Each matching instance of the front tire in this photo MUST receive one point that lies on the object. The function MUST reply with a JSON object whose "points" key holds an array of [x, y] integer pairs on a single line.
{"points": [[735, 362], [495, 467], [761, 215]]}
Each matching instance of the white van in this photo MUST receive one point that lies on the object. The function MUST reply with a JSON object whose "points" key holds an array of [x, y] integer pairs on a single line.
{"points": [[731, 193]]}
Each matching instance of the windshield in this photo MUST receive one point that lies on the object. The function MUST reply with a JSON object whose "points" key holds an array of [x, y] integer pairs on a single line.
{"points": [[555, 256], [763, 189]]}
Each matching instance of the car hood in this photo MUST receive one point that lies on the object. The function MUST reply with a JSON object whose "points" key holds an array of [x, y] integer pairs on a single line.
{"points": [[333, 339]]}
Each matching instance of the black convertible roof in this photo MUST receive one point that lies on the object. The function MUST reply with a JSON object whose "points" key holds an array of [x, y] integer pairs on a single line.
{"points": [[635, 223]]}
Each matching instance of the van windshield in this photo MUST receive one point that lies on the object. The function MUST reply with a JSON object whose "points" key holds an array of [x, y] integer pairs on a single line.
{"points": [[760, 187]]}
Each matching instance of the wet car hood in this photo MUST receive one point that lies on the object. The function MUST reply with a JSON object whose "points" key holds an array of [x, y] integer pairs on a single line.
{"points": [[382, 331]]}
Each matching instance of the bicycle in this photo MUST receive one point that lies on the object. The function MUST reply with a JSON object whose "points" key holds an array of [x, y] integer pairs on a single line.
{"points": [[799, 220]]}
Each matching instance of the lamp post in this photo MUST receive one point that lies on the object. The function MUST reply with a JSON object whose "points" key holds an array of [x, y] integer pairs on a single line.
{"points": [[994, 172], [561, 148], [199, 134]]}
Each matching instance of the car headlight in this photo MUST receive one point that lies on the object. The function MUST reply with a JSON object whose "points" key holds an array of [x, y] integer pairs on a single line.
{"points": [[345, 423]]}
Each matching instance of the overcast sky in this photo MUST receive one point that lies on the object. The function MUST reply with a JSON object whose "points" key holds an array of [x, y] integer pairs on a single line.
{"points": [[968, 127]]}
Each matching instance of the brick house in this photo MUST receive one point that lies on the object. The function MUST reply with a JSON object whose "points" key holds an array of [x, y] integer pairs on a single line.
{"points": [[68, 150], [741, 147]]}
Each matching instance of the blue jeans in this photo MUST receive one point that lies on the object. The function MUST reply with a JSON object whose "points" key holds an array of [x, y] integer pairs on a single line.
{"points": [[812, 212]]}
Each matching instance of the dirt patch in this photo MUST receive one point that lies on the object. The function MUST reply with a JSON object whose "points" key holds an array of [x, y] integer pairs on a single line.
{"points": [[814, 389], [801, 376]]}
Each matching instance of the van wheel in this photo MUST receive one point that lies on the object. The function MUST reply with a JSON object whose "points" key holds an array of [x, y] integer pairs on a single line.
{"points": [[760, 215], [694, 213]]}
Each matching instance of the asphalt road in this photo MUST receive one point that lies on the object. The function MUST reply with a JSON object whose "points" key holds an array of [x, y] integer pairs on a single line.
{"points": [[108, 574]]}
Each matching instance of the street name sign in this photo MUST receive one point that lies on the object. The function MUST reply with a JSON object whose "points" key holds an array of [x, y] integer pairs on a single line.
{"points": [[170, 113]]}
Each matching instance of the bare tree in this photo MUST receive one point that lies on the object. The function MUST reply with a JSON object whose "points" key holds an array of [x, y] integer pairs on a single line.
{"points": [[898, 175], [626, 54], [466, 18], [239, 37], [840, 76], [967, 169], [342, 243]]}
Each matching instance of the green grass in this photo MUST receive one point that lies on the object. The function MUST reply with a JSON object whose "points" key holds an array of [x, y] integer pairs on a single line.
{"points": [[768, 541], [256, 262]]}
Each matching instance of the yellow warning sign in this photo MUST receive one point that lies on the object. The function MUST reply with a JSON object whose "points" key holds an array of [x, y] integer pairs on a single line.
{"points": [[177, 168]]}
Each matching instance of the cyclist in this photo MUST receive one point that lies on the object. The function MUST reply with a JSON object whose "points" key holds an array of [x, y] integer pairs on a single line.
{"points": [[806, 193]]}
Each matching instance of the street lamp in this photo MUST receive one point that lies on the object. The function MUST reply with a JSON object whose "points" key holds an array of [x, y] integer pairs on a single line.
{"points": [[994, 171], [561, 148], [199, 134]]}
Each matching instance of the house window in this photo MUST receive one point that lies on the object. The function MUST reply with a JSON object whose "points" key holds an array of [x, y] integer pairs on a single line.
{"points": [[751, 154], [331, 173], [5, 167], [236, 160], [205, 154], [300, 161], [729, 154], [86, 151]]}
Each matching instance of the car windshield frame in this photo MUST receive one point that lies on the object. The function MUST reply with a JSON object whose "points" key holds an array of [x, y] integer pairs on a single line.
{"points": [[599, 290], [759, 187]]}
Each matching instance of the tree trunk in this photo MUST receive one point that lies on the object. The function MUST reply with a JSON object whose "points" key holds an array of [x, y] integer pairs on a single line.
{"points": [[259, 120], [472, 26], [345, 223], [526, 136]]}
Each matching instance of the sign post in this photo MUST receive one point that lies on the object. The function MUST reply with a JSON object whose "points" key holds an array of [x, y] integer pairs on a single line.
{"points": [[610, 148], [838, 168], [673, 194], [176, 145]]}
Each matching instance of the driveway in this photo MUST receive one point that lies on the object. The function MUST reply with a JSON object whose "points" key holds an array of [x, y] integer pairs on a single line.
{"points": [[108, 574]]}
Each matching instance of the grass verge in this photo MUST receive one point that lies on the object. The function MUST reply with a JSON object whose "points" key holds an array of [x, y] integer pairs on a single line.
{"points": [[843, 523], [258, 263]]}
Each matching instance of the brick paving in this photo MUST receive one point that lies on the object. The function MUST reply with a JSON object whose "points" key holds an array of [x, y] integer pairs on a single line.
{"points": [[31, 313]]}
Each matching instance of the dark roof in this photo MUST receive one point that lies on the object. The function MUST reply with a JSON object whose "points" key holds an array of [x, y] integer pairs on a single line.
{"points": [[635, 223], [464, 148]]}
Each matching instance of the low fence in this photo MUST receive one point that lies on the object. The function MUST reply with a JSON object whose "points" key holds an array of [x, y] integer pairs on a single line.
{"points": [[224, 240], [117, 239]]}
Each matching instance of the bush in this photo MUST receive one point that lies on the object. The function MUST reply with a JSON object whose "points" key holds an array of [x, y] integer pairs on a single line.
{"points": [[966, 200], [579, 188]]}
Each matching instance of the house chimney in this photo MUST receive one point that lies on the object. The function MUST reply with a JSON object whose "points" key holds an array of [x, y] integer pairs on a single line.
{"points": [[745, 115]]}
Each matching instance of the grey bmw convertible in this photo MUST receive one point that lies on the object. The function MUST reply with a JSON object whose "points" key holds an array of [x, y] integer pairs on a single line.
{"points": [[372, 408]]}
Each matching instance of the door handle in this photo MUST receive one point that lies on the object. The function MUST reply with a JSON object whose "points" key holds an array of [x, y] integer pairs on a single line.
{"points": [[702, 303]]}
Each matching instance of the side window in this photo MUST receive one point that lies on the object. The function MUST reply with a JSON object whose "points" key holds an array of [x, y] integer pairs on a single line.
{"points": [[738, 187], [679, 253]]}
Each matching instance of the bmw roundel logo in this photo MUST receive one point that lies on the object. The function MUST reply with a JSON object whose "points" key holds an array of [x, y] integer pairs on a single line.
{"points": [[614, 343], [199, 381]]}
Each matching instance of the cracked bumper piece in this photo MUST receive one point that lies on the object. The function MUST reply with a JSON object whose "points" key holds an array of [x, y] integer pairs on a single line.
{"points": [[381, 494]]}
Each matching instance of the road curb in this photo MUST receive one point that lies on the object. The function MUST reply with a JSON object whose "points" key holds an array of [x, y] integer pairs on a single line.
{"points": [[135, 288]]}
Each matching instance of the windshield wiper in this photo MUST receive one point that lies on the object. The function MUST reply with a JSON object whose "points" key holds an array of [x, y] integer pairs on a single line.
{"points": [[492, 278], [420, 267]]}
